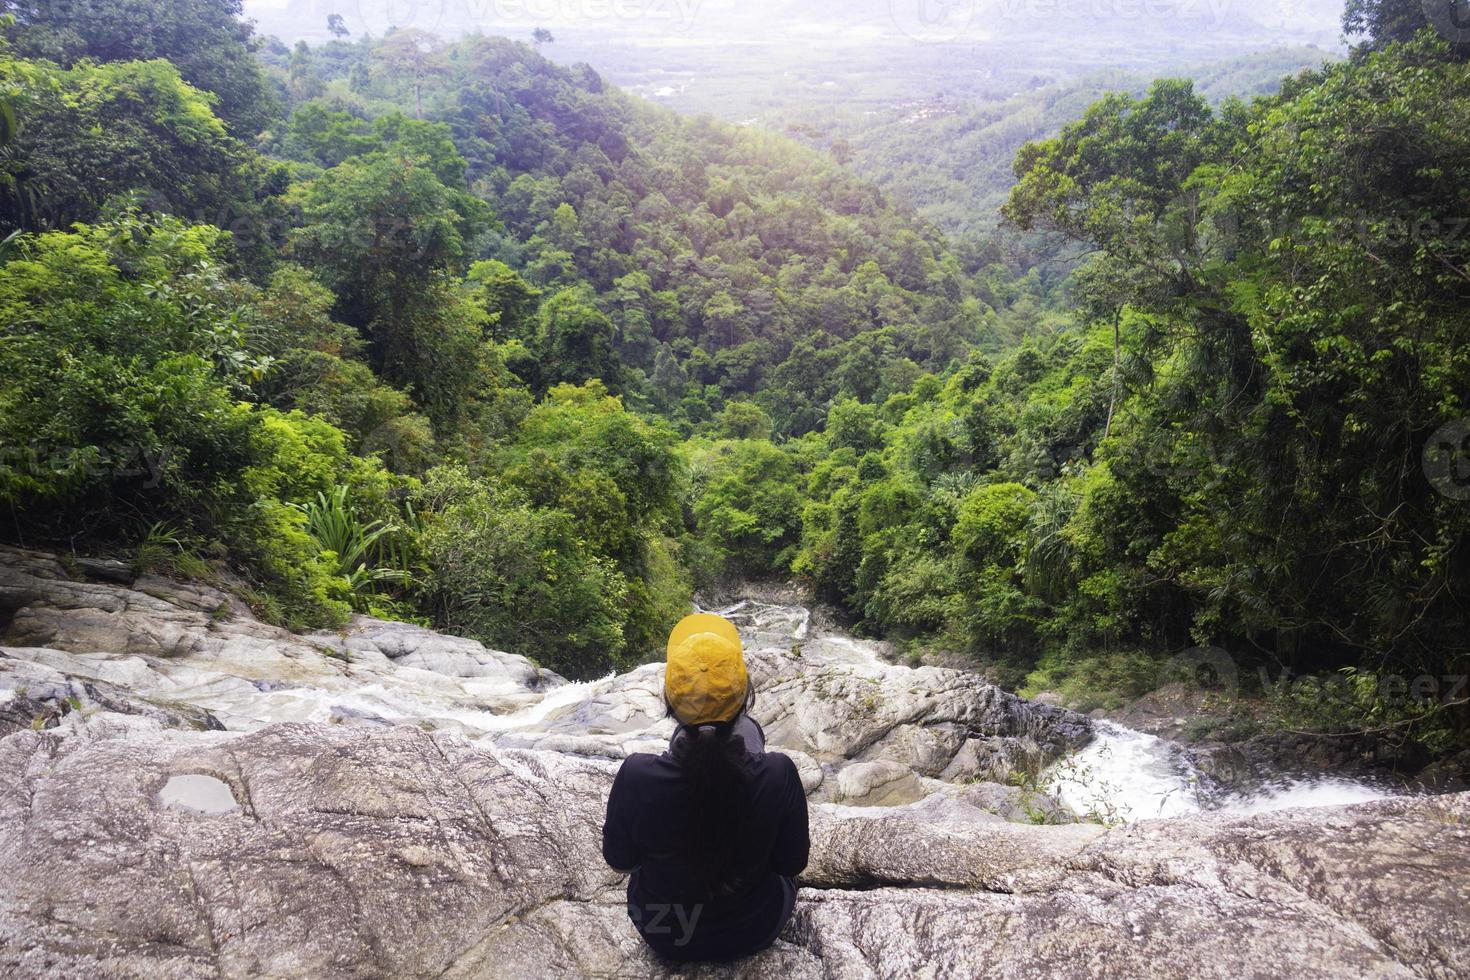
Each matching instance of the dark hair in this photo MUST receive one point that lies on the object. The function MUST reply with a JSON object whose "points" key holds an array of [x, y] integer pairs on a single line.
{"points": [[717, 784]]}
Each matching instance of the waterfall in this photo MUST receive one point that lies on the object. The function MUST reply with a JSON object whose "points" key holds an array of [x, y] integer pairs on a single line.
{"points": [[1123, 775]]}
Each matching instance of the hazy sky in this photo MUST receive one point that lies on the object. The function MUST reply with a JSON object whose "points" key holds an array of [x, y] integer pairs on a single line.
{"points": [[920, 21]]}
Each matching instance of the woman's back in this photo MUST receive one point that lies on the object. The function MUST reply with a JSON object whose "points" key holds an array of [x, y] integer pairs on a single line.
{"points": [[654, 828], [711, 831]]}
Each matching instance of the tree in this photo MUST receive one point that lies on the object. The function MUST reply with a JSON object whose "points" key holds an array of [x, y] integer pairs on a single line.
{"points": [[517, 576], [564, 230], [575, 343], [581, 430], [304, 82], [317, 367], [212, 48], [326, 137], [1384, 22], [1304, 338], [96, 131], [542, 36], [388, 237], [1118, 170], [747, 506], [337, 26], [508, 300], [853, 425], [617, 478], [124, 368], [744, 420], [413, 54]]}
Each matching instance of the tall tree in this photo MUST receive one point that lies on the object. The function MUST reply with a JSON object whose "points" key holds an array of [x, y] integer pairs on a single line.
{"points": [[94, 131], [213, 48], [413, 55], [1384, 22], [389, 238]]}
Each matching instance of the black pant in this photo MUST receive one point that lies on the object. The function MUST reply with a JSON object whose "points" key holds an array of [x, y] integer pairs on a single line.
{"points": [[728, 943]]}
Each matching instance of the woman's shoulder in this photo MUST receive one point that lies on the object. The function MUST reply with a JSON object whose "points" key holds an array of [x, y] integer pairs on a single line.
{"points": [[641, 766], [778, 764], [779, 777], [642, 760]]}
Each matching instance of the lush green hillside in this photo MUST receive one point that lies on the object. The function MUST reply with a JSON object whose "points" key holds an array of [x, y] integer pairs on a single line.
{"points": [[452, 333], [722, 258], [386, 362], [951, 159], [1253, 440]]}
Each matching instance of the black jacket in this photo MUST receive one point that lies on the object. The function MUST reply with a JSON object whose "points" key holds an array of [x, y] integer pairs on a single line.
{"points": [[647, 821]]}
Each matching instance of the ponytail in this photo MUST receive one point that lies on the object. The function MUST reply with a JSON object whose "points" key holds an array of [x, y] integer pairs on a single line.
{"points": [[718, 781]]}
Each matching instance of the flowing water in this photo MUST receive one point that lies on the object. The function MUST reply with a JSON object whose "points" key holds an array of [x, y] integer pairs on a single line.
{"points": [[1124, 775], [1121, 776], [1127, 775]]}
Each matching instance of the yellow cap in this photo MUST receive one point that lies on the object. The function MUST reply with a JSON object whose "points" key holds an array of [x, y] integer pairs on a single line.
{"points": [[705, 679]]}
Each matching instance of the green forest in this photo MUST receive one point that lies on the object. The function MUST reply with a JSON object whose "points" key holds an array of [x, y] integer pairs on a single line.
{"points": [[444, 331]]}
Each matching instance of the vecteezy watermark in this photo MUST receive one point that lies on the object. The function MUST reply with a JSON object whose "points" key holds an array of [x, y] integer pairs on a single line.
{"points": [[1207, 667], [1446, 459], [1391, 690], [1397, 231], [676, 15], [1211, 668], [90, 464], [934, 20], [1449, 18], [398, 234], [1375, 231], [405, 445], [378, 17], [661, 919], [939, 21]]}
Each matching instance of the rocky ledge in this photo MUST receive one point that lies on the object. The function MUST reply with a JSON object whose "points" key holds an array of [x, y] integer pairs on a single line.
{"points": [[185, 792]]}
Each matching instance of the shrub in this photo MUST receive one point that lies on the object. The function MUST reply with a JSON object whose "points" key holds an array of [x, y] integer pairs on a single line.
{"points": [[121, 369], [518, 578], [358, 549]]}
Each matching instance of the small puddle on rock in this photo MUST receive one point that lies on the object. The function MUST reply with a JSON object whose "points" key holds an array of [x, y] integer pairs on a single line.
{"points": [[198, 793]]}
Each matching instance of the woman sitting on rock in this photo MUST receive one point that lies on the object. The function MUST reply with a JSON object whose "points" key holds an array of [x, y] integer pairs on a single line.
{"points": [[711, 831]]}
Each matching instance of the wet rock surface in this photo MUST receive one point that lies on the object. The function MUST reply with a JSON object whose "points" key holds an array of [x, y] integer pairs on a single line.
{"points": [[187, 653], [186, 792]]}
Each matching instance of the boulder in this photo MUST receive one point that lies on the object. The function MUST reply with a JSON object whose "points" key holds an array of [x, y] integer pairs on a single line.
{"points": [[188, 792], [352, 852], [828, 700]]}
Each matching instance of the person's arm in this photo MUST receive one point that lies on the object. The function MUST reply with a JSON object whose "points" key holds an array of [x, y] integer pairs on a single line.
{"points": [[618, 849], [793, 840]]}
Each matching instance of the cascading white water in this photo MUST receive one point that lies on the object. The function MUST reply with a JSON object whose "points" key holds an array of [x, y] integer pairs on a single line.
{"points": [[776, 624], [559, 697], [756, 619], [1321, 791], [1124, 775], [1121, 776]]}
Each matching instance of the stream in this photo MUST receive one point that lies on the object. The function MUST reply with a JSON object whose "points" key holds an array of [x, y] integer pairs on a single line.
{"points": [[1121, 776], [1125, 775], [456, 685]]}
